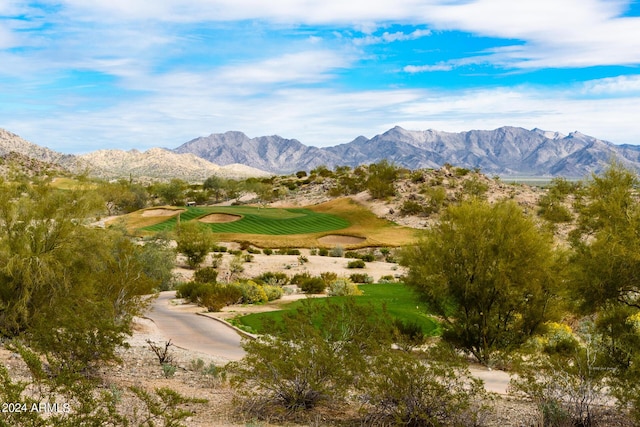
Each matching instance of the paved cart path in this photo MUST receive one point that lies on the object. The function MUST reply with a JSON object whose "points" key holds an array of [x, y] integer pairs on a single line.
{"points": [[193, 332], [203, 334]]}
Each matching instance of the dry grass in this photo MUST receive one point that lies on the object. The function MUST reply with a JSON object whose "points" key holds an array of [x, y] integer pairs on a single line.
{"points": [[139, 219], [62, 183]]}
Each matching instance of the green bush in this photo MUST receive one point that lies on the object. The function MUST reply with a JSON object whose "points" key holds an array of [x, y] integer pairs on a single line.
{"points": [[361, 278], [356, 264], [267, 251], [252, 293], [193, 291], [273, 278], [343, 287], [298, 278], [205, 275], [351, 254], [336, 252], [273, 292], [312, 285], [402, 390], [411, 207], [328, 277], [216, 260], [220, 296], [367, 257], [323, 252]]}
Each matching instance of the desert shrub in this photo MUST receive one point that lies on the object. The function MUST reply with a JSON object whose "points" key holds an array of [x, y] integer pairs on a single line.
{"points": [[297, 369], [474, 187], [565, 377], [328, 277], [273, 292], [205, 275], [252, 293], [387, 279], [553, 210], [343, 287], [216, 260], [417, 176], [298, 278], [411, 207], [253, 250], [356, 264], [402, 390], [323, 252], [234, 251], [312, 285], [351, 254], [408, 334], [461, 171], [361, 278], [336, 252], [267, 251], [217, 248], [301, 174], [220, 296], [273, 278], [302, 259], [367, 257], [193, 291], [244, 245], [313, 251], [248, 257]]}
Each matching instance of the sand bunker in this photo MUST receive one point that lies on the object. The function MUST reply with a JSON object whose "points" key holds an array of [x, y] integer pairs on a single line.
{"points": [[339, 239], [161, 212], [216, 218]]}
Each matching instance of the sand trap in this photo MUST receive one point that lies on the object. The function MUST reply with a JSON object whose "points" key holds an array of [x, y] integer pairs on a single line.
{"points": [[161, 212], [339, 239], [216, 218]]}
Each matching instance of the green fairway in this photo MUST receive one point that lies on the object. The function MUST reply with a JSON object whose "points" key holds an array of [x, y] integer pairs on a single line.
{"points": [[400, 302], [254, 220]]}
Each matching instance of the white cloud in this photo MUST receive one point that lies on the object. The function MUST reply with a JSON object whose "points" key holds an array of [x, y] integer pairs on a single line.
{"points": [[412, 69], [613, 86], [387, 37], [193, 105], [299, 68], [548, 33]]}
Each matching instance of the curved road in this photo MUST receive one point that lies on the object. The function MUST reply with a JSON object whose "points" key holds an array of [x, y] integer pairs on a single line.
{"points": [[203, 334], [192, 332]]}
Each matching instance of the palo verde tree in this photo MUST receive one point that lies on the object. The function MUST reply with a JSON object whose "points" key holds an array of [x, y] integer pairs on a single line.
{"points": [[606, 278], [489, 273], [55, 270], [195, 241]]}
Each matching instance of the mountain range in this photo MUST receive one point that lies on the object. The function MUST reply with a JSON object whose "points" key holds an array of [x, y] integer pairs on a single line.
{"points": [[506, 151]]}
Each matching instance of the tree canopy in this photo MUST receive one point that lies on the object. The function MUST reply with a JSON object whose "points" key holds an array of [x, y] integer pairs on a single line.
{"points": [[489, 272]]}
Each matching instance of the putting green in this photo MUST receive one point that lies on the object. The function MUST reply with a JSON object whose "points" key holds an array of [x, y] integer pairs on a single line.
{"points": [[254, 220]]}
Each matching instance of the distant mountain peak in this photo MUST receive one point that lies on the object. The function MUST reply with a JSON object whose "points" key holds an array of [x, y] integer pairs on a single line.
{"points": [[507, 150]]}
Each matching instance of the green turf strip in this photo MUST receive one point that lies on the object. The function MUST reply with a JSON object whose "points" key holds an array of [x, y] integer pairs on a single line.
{"points": [[260, 221], [399, 299]]}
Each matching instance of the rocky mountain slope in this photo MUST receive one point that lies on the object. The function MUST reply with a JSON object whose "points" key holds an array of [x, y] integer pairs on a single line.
{"points": [[505, 151], [159, 163], [156, 163]]}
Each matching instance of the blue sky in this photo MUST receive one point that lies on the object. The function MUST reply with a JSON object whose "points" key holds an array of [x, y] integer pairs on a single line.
{"points": [[78, 75]]}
